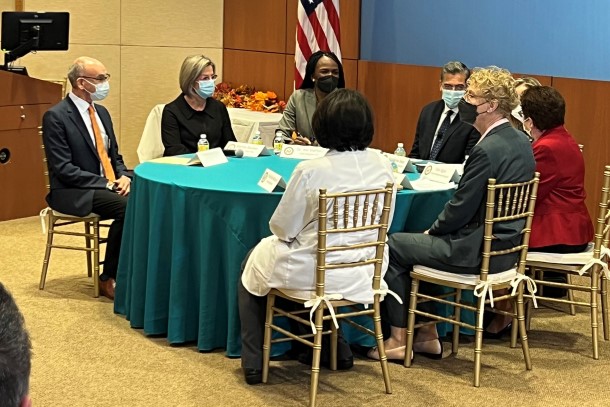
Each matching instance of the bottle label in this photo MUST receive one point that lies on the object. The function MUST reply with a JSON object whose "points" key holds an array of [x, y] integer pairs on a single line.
{"points": [[203, 147], [277, 146]]}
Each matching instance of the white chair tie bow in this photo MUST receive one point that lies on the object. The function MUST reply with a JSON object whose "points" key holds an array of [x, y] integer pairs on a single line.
{"points": [[314, 303], [593, 262], [530, 284], [43, 219], [482, 290], [383, 292]]}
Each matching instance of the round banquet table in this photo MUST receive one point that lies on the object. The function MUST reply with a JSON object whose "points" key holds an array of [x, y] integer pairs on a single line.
{"points": [[187, 230]]}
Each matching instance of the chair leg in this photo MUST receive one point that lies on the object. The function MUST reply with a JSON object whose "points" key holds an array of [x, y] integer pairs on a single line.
{"points": [[514, 331], [317, 352], [523, 332], [478, 344], [411, 321], [267, 340], [540, 277], [528, 314], [604, 295], [571, 295], [594, 320], [456, 328], [333, 346], [96, 259], [47, 252], [88, 245], [380, 346]]}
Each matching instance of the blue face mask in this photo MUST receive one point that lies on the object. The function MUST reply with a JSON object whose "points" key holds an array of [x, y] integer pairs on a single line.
{"points": [[452, 97], [101, 90], [206, 88]]}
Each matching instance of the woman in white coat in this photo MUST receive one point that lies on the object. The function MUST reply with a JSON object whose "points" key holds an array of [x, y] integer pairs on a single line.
{"points": [[343, 123]]}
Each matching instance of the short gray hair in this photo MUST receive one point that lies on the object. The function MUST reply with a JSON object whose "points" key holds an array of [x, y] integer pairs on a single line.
{"points": [[191, 68], [75, 71], [455, 68]]}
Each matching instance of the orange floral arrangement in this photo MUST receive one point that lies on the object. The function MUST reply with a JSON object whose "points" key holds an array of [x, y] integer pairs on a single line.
{"points": [[247, 97]]}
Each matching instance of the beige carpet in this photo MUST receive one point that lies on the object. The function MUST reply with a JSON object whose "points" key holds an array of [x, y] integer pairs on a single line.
{"points": [[84, 355]]}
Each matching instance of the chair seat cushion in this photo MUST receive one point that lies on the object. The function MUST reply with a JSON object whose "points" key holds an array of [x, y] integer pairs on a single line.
{"points": [[562, 258], [468, 279]]}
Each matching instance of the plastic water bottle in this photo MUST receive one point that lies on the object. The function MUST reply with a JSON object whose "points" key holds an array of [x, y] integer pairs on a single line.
{"points": [[257, 139], [278, 142], [203, 144], [400, 150]]}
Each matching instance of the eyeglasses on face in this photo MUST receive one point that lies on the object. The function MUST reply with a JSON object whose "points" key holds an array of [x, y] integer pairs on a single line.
{"points": [[99, 78], [448, 86]]}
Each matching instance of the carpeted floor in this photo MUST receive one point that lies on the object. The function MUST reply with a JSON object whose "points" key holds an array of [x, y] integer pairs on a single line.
{"points": [[85, 355]]}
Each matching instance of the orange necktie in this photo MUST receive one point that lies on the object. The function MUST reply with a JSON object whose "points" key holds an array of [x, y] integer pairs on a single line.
{"points": [[101, 149]]}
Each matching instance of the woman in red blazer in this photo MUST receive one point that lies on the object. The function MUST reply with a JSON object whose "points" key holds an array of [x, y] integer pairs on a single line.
{"points": [[561, 221]]}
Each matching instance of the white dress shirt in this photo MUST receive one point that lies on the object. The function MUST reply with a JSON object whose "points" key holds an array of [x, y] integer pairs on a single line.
{"points": [[442, 119]]}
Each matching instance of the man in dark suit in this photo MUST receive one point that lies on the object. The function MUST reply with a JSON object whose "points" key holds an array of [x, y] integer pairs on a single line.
{"points": [[440, 134], [453, 242], [86, 171]]}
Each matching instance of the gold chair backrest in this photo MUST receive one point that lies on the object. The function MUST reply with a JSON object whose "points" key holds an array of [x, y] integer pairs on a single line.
{"points": [[348, 213], [45, 163], [602, 228], [508, 202]]}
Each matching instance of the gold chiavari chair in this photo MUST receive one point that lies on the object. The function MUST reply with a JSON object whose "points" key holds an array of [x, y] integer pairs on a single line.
{"points": [[56, 221], [333, 219], [591, 264], [505, 203]]}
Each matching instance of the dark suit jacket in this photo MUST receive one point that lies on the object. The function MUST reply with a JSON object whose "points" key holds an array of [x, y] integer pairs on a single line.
{"points": [[561, 215], [457, 142], [506, 155], [74, 165]]}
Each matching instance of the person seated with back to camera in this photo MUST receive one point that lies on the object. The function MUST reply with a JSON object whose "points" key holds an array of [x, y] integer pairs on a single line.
{"points": [[343, 123], [195, 111], [454, 241], [323, 74], [15, 354]]}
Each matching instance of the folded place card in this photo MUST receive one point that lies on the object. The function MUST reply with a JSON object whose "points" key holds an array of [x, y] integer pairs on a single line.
{"points": [[421, 184], [271, 181], [303, 152], [249, 150], [211, 157], [443, 173], [400, 164]]}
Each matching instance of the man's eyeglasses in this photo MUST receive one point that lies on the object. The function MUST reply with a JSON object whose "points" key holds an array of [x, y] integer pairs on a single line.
{"points": [[448, 86], [209, 78], [100, 78]]}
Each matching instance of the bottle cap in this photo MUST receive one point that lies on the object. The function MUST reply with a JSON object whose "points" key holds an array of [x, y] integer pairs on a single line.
{"points": [[400, 145]]}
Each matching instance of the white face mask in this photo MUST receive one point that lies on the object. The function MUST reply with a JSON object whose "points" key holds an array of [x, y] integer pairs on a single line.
{"points": [[517, 113], [101, 90]]}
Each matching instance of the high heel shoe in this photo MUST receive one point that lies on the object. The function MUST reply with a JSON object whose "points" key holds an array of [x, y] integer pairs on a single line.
{"points": [[434, 356], [393, 355]]}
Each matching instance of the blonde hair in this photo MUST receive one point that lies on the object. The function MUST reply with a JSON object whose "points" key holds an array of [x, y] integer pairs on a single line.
{"points": [[497, 84], [527, 81], [191, 69]]}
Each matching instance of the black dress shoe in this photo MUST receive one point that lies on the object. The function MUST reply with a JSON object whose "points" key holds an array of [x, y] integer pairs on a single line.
{"points": [[500, 334], [253, 376], [342, 364]]}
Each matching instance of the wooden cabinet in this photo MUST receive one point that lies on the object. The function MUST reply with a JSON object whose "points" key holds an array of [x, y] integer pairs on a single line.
{"points": [[23, 101]]}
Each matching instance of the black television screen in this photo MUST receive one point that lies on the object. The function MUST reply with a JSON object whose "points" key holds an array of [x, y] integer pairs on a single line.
{"points": [[25, 31]]}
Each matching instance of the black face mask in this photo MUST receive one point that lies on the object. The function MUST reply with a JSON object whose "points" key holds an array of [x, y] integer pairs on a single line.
{"points": [[327, 83], [468, 112]]}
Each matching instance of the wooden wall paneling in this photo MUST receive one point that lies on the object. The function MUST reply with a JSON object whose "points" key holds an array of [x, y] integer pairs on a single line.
{"points": [[397, 94], [263, 70], [588, 120], [349, 11], [255, 25]]}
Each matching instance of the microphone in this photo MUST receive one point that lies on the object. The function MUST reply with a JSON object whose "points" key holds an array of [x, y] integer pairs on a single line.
{"points": [[239, 153]]}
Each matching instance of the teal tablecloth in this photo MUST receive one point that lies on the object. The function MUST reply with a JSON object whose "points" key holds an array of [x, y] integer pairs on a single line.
{"points": [[186, 232]]}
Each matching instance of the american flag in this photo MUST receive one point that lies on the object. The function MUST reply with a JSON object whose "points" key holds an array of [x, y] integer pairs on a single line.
{"points": [[317, 29]]}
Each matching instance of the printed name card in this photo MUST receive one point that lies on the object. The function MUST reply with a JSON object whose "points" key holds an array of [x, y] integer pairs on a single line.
{"points": [[303, 152], [211, 157], [421, 184], [443, 173], [271, 181], [250, 150], [401, 164]]}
